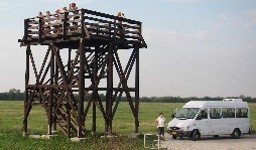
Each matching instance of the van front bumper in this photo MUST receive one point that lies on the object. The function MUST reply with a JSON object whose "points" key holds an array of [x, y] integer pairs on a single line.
{"points": [[180, 133]]}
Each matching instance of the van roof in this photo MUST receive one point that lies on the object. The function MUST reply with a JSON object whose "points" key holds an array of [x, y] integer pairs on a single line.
{"points": [[233, 100], [218, 104]]}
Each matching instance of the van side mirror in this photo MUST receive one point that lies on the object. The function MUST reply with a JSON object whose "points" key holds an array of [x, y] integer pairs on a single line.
{"points": [[173, 115], [199, 117]]}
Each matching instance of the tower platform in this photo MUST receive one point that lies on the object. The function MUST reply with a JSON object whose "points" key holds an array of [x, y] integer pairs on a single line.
{"points": [[65, 30]]}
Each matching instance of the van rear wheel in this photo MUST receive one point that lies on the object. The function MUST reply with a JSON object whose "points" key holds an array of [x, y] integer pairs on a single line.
{"points": [[236, 134], [195, 135]]}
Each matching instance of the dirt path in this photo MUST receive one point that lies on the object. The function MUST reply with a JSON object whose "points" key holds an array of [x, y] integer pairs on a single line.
{"points": [[247, 142]]}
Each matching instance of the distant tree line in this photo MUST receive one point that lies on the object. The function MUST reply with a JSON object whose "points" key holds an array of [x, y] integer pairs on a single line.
{"points": [[15, 94], [178, 99]]}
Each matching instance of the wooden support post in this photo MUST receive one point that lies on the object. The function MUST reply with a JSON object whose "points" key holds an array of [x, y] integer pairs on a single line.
{"points": [[50, 102], [82, 23], [94, 118], [81, 89], [109, 95], [68, 120], [95, 89], [26, 29], [40, 29], [57, 90], [65, 25], [68, 112], [69, 59], [137, 90], [25, 120]]}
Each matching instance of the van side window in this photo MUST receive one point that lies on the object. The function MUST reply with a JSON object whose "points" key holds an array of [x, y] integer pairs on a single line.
{"points": [[225, 113], [204, 114], [228, 113], [231, 113], [215, 113], [241, 113]]}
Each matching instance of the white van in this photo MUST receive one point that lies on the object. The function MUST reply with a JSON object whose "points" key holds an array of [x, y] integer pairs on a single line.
{"points": [[200, 118]]}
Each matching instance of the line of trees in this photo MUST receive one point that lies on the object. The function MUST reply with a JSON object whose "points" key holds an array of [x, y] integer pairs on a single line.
{"points": [[178, 99], [15, 94]]}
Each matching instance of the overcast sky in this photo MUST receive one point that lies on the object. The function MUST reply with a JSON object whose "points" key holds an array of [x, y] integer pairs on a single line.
{"points": [[195, 47]]}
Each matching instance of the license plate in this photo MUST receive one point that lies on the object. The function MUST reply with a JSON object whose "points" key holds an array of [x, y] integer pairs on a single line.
{"points": [[174, 133]]}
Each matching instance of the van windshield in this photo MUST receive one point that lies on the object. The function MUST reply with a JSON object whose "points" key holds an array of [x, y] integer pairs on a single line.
{"points": [[187, 113]]}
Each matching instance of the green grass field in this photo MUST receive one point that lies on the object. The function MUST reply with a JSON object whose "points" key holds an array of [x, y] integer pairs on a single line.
{"points": [[11, 116]]}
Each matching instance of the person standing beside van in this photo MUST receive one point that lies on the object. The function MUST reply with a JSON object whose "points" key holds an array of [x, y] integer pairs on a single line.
{"points": [[160, 123]]}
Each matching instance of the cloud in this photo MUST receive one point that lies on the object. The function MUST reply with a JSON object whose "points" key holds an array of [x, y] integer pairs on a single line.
{"points": [[4, 6], [71, 1], [216, 64], [184, 1], [11, 59], [243, 20], [174, 39]]}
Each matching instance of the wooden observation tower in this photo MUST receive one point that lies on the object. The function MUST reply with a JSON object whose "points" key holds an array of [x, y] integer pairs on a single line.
{"points": [[81, 68]]}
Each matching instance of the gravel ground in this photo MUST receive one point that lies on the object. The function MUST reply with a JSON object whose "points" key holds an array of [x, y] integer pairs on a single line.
{"points": [[246, 142]]}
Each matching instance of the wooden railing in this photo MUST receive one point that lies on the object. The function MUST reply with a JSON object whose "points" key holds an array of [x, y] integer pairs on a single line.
{"points": [[83, 23]]}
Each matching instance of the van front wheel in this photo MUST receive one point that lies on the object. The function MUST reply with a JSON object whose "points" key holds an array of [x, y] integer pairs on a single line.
{"points": [[195, 135]]}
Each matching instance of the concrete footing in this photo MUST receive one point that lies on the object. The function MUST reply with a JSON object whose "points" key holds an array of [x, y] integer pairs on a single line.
{"points": [[34, 136], [24, 134], [54, 131], [134, 135], [41, 136], [48, 136], [76, 139]]}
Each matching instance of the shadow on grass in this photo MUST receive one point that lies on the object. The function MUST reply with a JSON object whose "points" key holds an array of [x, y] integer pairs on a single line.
{"points": [[13, 140]]}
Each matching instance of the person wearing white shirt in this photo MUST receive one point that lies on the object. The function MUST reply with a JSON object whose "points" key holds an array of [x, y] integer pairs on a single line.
{"points": [[160, 122]]}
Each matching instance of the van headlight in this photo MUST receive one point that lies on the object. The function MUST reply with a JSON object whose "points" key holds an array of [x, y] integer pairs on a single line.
{"points": [[185, 128]]}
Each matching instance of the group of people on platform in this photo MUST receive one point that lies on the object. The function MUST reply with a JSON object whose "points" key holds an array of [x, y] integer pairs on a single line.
{"points": [[63, 9], [59, 15], [48, 19]]}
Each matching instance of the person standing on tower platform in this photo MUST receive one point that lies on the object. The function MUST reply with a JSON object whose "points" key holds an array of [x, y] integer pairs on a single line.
{"points": [[119, 22]]}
